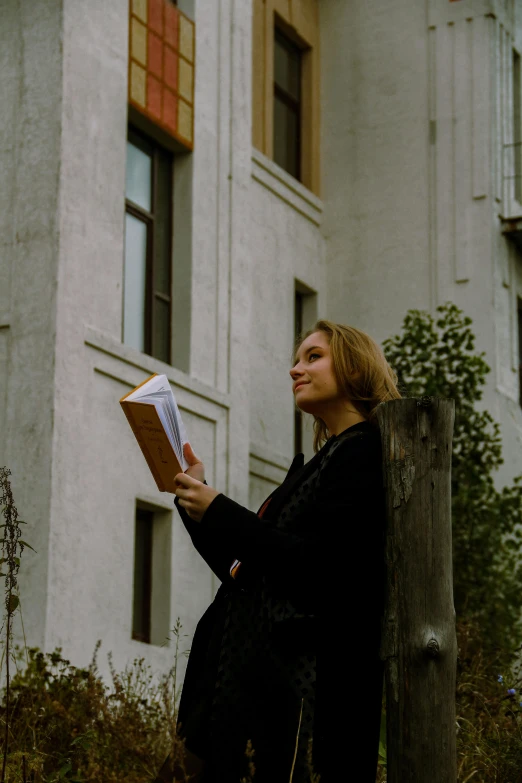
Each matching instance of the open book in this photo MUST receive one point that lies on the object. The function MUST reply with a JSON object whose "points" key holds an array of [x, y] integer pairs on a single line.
{"points": [[153, 414]]}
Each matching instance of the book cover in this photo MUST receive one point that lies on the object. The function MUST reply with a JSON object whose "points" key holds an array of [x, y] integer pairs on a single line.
{"points": [[156, 445]]}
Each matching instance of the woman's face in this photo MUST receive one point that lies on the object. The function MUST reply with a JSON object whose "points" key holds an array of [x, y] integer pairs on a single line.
{"points": [[314, 382]]}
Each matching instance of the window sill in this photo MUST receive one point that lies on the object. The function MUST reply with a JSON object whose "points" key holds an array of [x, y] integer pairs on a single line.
{"points": [[268, 464], [513, 210], [107, 344], [289, 190]]}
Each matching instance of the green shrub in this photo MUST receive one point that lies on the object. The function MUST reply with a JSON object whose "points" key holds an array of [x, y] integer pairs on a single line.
{"points": [[486, 524]]}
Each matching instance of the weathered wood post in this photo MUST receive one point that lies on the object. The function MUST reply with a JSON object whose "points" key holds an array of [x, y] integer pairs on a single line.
{"points": [[419, 639]]}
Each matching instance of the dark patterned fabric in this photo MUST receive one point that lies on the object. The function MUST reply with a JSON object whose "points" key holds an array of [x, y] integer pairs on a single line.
{"points": [[257, 638]]}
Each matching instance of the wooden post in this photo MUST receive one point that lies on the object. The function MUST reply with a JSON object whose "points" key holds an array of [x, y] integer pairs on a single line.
{"points": [[419, 640]]}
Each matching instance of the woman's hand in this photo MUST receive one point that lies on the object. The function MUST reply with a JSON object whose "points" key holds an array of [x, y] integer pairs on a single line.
{"points": [[194, 496], [196, 469]]}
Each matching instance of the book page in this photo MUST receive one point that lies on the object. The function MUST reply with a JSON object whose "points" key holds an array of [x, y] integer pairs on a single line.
{"points": [[170, 417], [157, 391], [157, 383]]}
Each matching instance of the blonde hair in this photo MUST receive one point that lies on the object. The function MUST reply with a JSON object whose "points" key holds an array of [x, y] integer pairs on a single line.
{"points": [[361, 370]]}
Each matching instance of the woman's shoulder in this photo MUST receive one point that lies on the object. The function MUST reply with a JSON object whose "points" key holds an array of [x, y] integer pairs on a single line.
{"points": [[361, 436], [361, 445]]}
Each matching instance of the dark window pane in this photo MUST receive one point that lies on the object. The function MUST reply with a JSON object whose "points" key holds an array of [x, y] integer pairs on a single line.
{"points": [[287, 66], [298, 314], [162, 224], [142, 575], [161, 330], [286, 137]]}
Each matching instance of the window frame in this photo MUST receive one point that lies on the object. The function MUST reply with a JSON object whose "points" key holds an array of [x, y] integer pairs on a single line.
{"points": [[300, 23], [155, 151], [299, 297]]}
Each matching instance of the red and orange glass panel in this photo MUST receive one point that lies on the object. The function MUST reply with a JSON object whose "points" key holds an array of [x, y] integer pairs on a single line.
{"points": [[161, 66]]}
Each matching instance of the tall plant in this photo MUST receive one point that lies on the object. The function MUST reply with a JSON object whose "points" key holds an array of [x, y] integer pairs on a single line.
{"points": [[12, 548], [438, 359]]}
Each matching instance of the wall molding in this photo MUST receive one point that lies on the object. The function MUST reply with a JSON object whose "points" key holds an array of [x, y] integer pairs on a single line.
{"points": [[288, 189], [268, 464], [107, 344]]}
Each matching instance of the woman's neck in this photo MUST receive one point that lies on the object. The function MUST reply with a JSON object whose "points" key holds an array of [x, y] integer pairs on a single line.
{"points": [[336, 424]]}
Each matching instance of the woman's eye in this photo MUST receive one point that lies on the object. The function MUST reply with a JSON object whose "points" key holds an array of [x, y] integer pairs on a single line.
{"points": [[313, 354]]}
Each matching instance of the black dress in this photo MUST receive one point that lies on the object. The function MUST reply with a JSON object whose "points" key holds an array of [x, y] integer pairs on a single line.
{"points": [[287, 655]]}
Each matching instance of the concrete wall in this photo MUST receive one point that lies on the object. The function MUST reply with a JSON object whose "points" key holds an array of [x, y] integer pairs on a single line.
{"points": [[412, 217], [408, 219], [99, 474], [30, 161], [374, 110]]}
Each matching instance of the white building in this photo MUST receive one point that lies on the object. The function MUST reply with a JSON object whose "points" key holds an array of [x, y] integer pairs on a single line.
{"points": [[387, 185]]}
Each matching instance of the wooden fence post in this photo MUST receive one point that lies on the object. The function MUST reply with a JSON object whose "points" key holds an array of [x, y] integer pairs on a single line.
{"points": [[419, 644]]}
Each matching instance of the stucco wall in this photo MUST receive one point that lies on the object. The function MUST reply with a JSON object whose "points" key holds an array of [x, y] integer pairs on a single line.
{"points": [[30, 162], [409, 218]]}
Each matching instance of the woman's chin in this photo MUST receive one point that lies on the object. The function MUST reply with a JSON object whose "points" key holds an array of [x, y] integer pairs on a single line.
{"points": [[305, 407]]}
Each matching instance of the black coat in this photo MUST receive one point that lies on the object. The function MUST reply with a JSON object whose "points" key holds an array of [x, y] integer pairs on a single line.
{"points": [[334, 566]]}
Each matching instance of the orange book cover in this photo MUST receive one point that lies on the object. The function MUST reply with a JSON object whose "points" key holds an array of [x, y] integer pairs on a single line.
{"points": [[153, 439]]}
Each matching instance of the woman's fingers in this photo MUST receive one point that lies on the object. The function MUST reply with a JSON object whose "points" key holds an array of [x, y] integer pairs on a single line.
{"points": [[189, 454], [184, 480]]}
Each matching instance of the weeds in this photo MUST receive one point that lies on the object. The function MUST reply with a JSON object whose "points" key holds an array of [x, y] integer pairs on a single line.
{"points": [[70, 726], [12, 548]]}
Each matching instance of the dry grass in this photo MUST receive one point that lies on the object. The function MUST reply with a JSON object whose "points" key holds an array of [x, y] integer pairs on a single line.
{"points": [[67, 725]]}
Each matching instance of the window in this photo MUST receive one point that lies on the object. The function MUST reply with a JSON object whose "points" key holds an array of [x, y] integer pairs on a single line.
{"points": [[287, 104], [517, 136], [148, 241], [305, 314], [152, 574], [286, 86], [142, 576]]}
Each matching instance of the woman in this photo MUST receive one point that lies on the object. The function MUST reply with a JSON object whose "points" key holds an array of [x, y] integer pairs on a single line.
{"points": [[287, 655]]}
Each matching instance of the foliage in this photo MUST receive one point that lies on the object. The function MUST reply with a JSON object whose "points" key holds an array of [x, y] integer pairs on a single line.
{"points": [[12, 548], [67, 725], [62, 723], [486, 523]]}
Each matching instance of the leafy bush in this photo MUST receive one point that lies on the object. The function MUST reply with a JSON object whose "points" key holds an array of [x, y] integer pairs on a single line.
{"points": [[486, 528], [487, 573]]}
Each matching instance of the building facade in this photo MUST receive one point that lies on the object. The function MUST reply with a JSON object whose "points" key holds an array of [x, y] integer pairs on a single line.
{"points": [[185, 187]]}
